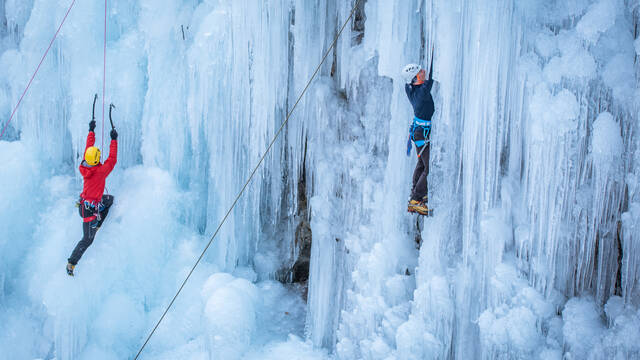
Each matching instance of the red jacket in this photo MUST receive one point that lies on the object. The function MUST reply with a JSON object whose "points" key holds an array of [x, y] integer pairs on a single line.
{"points": [[95, 176]]}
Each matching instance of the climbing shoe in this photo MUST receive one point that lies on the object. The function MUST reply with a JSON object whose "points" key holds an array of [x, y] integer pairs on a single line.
{"points": [[70, 268], [418, 207]]}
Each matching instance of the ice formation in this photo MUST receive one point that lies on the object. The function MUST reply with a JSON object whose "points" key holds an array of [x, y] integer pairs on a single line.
{"points": [[533, 251]]}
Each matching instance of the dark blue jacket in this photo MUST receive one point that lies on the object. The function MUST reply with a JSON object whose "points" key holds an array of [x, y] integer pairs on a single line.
{"points": [[420, 98]]}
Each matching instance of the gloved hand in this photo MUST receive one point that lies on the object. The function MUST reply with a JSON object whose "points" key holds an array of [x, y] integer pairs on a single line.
{"points": [[92, 125], [114, 134]]}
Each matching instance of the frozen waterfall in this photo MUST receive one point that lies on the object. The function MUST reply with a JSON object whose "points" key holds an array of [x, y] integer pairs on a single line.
{"points": [[533, 251]]}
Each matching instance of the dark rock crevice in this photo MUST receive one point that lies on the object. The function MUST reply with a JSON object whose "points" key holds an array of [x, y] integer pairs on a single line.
{"points": [[303, 235], [357, 28], [299, 271]]}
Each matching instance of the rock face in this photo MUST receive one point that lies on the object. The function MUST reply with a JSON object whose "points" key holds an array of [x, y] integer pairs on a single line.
{"points": [[300, 270]]}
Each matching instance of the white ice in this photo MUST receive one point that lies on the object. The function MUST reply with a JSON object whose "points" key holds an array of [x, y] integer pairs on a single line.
{"points": [[533, 250]]}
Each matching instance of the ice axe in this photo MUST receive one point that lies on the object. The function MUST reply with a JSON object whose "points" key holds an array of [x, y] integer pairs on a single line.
{"points": [[111, 106], [93, 112]]}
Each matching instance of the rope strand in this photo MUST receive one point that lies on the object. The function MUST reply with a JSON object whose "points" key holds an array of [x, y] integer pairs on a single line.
{"points": [[104, 68], [275, 137]]}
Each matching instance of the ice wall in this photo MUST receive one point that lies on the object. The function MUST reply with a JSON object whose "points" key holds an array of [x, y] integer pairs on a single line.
{"points": [[533, 141], [533, 250], [199, 89]]}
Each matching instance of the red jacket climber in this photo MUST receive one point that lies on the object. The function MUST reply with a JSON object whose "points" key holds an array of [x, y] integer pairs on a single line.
{"points": [[93, 205], [95, 176]]}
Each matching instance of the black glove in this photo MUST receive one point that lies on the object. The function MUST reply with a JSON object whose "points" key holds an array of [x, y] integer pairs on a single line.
{"points": [[92, 125], [114, 134]]}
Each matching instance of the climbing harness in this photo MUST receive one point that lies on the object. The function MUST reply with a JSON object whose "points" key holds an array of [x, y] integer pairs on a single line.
{"points": [[253, 172], [416, 125], [37, 69], [90, 211]]}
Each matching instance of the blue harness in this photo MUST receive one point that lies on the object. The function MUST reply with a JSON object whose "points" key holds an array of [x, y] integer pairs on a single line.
{"points": [[418, 124]]}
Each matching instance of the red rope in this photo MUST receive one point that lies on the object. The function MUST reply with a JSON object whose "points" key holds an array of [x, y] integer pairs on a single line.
{"points": [[104, 68], [104, 73], [38, 68]]}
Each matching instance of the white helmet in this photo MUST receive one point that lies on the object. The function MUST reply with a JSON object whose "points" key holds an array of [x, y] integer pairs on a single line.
{"points": [[409, 72]]}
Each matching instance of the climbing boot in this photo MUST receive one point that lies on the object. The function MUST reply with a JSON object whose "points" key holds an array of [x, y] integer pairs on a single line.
{"points": [[70, 268], [418, 207]]}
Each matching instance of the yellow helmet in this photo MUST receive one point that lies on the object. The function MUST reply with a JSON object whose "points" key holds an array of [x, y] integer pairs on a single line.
{"points": [[92, 155]]}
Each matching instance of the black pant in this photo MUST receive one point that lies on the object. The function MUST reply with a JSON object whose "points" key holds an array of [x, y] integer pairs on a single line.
{"points": [[90, 228], [420, 174]]}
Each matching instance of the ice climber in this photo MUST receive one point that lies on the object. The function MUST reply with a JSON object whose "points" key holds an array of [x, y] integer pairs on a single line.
{"points": [[93, 205], [418, 91]]}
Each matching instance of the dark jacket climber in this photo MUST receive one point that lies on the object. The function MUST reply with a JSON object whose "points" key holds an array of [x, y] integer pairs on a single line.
{"points": [[418, 91], [93, 205], [419, 94]]}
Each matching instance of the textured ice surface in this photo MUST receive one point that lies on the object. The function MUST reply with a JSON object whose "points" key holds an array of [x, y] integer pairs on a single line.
{"points": [[599, 17], [534, 249], [607, 145]]}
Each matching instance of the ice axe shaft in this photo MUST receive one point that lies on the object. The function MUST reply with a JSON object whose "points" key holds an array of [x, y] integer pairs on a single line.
{"points": [[93, 112], [111, 106]]}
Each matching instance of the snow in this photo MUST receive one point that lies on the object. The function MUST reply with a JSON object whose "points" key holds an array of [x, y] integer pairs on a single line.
{"points": [[533, 251]]}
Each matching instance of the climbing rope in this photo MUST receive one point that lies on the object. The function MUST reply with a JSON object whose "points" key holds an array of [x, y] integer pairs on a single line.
{"points": [[104, 68], [37, 69], [275, 137]]}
